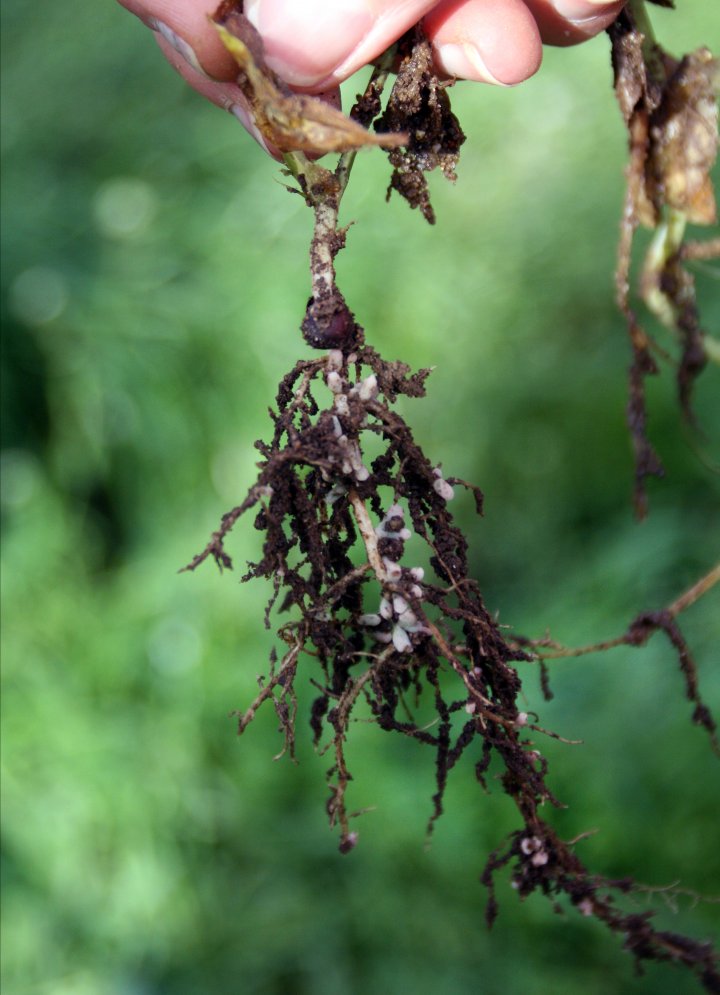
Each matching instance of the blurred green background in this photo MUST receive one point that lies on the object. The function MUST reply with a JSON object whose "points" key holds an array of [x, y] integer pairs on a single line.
{"points": [[154, 278]]}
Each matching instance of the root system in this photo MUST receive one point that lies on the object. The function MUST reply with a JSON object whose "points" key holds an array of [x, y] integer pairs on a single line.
{"points": [[378, 631]]}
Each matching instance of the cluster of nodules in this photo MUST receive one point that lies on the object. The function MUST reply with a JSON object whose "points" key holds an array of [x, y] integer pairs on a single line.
{"points": [[533, 856], [367, 390], [395, 621], [533, 848], [344, 394]]}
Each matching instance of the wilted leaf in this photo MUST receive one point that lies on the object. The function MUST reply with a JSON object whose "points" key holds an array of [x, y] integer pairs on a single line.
{"points": [[292, 122], [684, 139]]}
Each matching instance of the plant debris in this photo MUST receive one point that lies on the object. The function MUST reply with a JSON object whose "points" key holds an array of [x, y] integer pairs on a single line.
{"points": [[671, 113], [419, 105]]}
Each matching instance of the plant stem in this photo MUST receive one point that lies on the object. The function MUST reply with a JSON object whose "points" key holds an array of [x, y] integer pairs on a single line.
{"points": [[377, 81], [666, 243], [328, 321], [696, 591], [369, 537], [650, 49], [683, 601]]}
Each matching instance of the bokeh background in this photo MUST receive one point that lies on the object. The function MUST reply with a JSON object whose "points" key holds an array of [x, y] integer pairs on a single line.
{"points": [[154, 276]]}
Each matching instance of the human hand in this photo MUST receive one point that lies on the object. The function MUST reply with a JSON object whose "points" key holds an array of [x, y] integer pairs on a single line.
{"points": [[315, 44]]}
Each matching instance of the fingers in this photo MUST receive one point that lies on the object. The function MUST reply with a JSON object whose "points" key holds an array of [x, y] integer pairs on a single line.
{"points": [[315, 44], [489, 41], [499, 41], [567, 22]]}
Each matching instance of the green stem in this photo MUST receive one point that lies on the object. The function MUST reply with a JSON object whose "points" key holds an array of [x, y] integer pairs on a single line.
{"points": [[666, 243], [297, 163], [343, 170], [642, 21], [378, 79], [650, 47]]}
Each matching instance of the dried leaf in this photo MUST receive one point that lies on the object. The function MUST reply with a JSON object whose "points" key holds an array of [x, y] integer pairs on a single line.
{"points": [[292, 122], [684, 140]]}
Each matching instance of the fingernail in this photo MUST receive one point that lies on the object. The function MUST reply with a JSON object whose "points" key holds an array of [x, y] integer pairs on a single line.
{"points": [[581, 12], [465, 62], [246, 120], [179, 44], [290, 29]]}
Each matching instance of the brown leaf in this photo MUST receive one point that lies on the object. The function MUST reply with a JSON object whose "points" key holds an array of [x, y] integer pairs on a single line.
{"points": [[290, 121], [684, 140]]}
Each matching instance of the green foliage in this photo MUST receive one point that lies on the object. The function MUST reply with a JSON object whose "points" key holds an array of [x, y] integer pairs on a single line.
{"points": [[154, 280]]}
